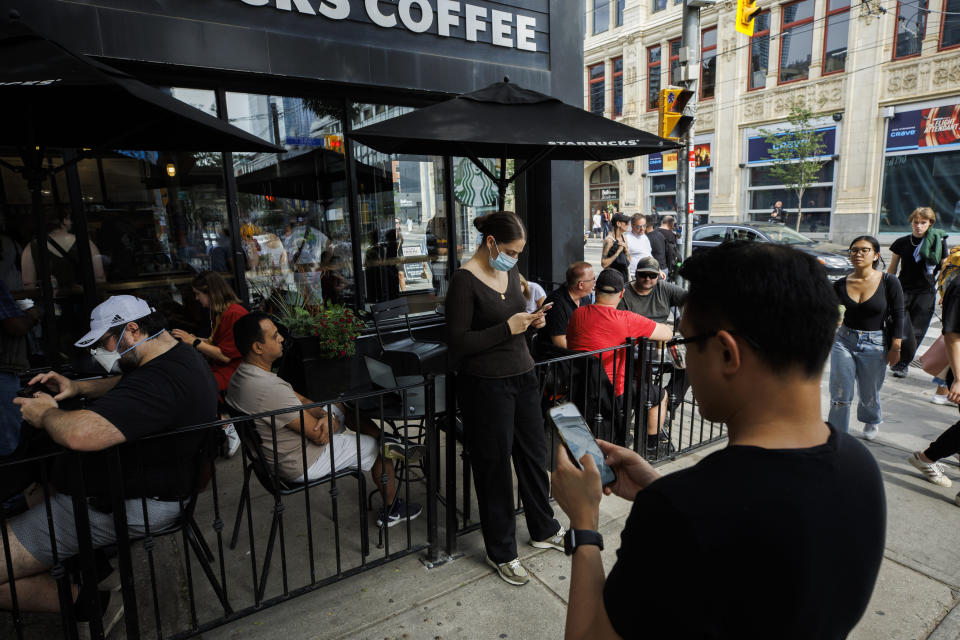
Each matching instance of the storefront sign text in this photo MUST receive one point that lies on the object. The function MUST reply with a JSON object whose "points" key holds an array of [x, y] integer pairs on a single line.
{"points": [[758, 149], [507, 29], [933, 127]]}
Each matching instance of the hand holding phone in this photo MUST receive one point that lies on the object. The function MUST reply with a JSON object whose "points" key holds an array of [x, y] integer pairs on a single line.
{"points": [[578, 440], [546, 306]]}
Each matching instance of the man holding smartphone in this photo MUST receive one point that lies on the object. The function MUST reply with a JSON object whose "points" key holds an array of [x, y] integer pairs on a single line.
{"points": [[784, 528]]}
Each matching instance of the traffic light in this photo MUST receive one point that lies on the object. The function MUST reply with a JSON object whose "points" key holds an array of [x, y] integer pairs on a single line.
{"points": [[747, 10], [334, 142], [671, 123]]}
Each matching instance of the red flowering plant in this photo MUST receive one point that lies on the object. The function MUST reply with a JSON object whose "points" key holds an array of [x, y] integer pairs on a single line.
{"points": [[335, 326]]}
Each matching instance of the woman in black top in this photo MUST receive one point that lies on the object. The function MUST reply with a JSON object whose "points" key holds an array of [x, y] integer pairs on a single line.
{"points": [[498, 393], [919, 256], [859, 355], [615, 254]]}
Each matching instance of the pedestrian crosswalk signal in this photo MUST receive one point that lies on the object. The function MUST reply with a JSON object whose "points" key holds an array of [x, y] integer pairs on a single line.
{"points": [[671, 123], [747, 10]]}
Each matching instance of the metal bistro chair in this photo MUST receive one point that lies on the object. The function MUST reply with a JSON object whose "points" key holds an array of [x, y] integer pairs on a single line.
{"points": [[257, 463], [429, 356]]}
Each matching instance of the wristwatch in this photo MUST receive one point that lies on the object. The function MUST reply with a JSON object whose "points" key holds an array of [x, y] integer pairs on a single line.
{"points": [[574, 538], [196, 343]]}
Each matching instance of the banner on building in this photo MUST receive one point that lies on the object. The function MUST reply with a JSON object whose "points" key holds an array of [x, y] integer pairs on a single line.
{"points": [[924, 128], [659, 162], [758, 149]]}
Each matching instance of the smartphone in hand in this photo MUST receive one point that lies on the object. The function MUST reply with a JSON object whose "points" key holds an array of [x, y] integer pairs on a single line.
{"points": [[578, 440], [546, 306]]}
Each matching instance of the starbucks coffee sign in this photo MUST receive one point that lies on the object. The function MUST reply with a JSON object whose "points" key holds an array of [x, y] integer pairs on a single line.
{"points": [[445, 18]]}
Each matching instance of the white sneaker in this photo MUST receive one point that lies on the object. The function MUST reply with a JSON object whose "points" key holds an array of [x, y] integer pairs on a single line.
{"points": [[870, 431], [930, 470], [512, 572], [233, 440], [941, 400], [553, 542]]}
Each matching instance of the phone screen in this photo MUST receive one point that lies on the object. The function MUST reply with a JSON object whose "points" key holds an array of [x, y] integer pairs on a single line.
{"points": [[578, 439]]}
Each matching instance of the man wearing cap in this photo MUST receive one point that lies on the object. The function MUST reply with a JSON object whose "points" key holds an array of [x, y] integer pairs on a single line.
{"points": [[165, 386], [602, 325], [649, 295]]}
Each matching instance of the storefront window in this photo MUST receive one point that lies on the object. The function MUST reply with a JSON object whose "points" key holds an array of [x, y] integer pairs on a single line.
{"points": [[796, 41], [765, 191], [835, 37], [605, 188], [921, 180], [675, 62], [759, 51], [663, 182], [293, 215], [950, 31]]}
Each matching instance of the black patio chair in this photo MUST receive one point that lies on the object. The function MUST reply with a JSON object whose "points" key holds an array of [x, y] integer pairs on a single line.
{"points": [[428, 357], [256, 462]]}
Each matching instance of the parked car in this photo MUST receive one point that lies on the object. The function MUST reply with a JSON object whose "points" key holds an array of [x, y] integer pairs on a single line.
{"points": [[832, 256]]}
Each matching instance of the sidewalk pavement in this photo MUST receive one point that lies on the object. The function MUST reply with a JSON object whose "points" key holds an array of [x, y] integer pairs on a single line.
{"points": [[916, 595]]}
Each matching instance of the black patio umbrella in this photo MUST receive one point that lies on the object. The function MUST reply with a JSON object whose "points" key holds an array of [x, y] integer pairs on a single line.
{"points": [[53, 97], [507, 121]]}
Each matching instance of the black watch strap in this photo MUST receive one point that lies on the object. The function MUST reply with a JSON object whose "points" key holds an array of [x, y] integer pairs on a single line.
{"points": [[196, 343], [574, 538]]}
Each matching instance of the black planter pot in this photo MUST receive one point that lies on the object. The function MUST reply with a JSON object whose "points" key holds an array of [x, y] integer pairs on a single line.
{"points": [[318, 377]]}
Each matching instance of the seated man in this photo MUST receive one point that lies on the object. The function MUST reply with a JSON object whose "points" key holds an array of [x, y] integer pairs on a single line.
{"points": [[652, 297], [254, 388], [577, 286], [601, 325], [784, 528], [165, 386]]}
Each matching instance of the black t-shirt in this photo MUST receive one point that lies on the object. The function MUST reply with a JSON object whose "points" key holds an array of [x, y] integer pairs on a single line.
{"points": [[951, 307], [558, 316], [775, 543], [174, 390], [913, 274], [658, 248], [670, 248]]}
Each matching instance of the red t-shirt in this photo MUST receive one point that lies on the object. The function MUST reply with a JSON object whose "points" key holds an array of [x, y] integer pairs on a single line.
{"points": [[223, 338], [595, 326]]}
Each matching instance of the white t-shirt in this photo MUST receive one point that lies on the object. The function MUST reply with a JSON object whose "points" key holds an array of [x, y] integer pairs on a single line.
{"points": [[639, 247], [536, 292], [596, 221]]}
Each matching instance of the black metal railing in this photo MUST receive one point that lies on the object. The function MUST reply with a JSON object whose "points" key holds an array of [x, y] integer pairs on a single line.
{"points": [[317, 533], [673, 423], [181, 576]]}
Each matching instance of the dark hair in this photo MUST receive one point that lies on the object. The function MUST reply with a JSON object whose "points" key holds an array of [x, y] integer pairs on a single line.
{"points": [[874, 243], [247, 330], [619, 217], [776, 297], [504, 226], [638, 216], [150, 324]]}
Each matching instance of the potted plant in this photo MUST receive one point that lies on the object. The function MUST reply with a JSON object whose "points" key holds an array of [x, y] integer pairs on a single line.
{"points": [[321, 362]]}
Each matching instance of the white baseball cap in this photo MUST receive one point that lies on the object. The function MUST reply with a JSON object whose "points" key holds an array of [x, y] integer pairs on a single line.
{"points": [[116, 311]]}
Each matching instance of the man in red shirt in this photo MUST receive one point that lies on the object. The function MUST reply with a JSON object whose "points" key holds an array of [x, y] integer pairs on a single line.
{"points": [[602, 325]]}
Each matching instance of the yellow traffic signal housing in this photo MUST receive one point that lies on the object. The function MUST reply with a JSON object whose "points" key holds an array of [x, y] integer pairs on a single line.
{"points": [[671, 123], [747, 10]]}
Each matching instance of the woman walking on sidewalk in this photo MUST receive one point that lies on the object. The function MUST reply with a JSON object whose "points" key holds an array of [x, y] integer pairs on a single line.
{"points": [[859, 355], [498, 393], [919, 256]]}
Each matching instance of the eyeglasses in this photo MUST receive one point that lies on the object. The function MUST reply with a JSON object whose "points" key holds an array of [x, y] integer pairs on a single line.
{"points": [[593, 279], [677, 349], [858, 250]]}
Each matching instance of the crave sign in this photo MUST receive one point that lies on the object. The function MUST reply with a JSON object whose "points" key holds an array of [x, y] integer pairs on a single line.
{"points": [[924, 128], [447, 18]]}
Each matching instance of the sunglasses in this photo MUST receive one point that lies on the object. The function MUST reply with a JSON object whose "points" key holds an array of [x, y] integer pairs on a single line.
{"points": [[647, 276]]}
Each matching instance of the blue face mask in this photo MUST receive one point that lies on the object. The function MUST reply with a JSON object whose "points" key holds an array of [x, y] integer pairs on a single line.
{"points": [[503, 262]]}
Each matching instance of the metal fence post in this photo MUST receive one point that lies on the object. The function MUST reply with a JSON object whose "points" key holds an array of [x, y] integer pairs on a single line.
{"points": [[623, 415]]}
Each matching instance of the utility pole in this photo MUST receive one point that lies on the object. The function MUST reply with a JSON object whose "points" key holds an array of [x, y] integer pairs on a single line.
{"points": [[690, 76]]}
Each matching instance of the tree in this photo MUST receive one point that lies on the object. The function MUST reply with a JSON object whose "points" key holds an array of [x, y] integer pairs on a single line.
{"points": [[797, 153]]}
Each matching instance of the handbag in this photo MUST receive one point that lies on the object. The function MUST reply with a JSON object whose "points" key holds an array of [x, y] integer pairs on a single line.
{"points": [[934, 360]]}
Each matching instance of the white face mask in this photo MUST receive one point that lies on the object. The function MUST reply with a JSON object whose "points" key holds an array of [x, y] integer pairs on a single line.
{"points": [[110, 360]]}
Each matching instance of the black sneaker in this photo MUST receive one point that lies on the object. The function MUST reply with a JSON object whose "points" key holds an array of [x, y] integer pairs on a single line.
{"points": [[403, 449], [899, 371], [400, 512]]}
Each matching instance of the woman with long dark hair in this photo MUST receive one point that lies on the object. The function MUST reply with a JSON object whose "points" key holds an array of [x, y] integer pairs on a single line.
{"points": [[860, 355], [499, 395], [213, 293], [615, 254], [919, 256]]}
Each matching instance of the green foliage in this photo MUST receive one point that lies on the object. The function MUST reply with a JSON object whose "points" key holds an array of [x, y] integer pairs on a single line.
{"points": [[335, 326], [797, 153]]}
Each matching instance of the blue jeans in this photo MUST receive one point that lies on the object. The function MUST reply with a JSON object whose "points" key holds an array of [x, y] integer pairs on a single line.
{"points": [[9, 413], [857, 357]]}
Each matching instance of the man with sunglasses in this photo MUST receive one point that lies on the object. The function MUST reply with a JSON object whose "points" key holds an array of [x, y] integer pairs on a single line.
{"points": [[783, 529], [651, 296]]}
